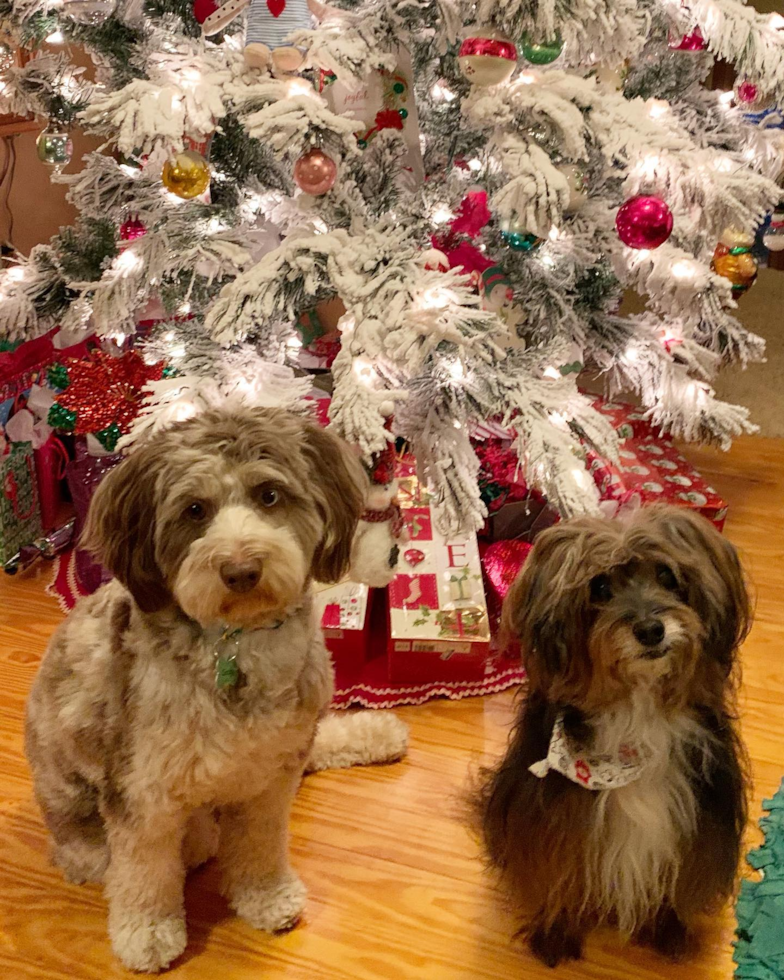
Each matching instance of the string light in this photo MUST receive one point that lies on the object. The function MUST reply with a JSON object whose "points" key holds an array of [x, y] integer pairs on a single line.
{"points": [[298, 86], [456, 370], [548, 260], [657, 108], [442, 214], [475, 165], [526, 78], [442, 93], [294, 343], [364, 370], [776, 21], [723, 165], [177, 352], [552, 372], [553, 234], [436, 297], [56, 37], [128, 262], [581, 478], [683, 269], [16, 273], [726, 98], [184, 309]]}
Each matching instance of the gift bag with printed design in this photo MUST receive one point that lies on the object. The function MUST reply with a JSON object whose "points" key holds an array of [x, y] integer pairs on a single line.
{"points": [[20, 514]]}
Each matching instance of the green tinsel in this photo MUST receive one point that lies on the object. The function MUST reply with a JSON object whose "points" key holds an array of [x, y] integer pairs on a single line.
{"points": [[759, 946], [109, 437], [57, 376], [61, 418]]}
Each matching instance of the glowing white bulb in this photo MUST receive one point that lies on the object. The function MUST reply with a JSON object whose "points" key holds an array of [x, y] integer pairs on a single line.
{"points": [[726, 98], [557, 419], [130, 171], [776, 21], [643, 253], [548, 260], [298, 86], [723, 165], [56, 37], [526, 78], [169, 336], [177, 352], [456, 370], [436, 297], [553, 233], [184, 309], [294, 343], [118, 337], [749, 154], [457, 425], [190, 75], [475, 165], [552, 372], [16, 273], [647, 166], [442, 93], [364, 370], [442, 214], [630, 355], [581, 478], [683, 269], [657, 108], [215, 225], [128, 262]]}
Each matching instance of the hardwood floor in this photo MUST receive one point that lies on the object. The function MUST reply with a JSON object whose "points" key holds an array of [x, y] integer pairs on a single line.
{"points": [[397, 889]]}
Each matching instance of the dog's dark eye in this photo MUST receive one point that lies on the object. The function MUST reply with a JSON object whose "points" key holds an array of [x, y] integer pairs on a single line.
{"points": [[601, 590], [666, 577], [196, 511], [269, 496]]}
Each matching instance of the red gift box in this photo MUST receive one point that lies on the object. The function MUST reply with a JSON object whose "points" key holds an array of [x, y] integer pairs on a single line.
{"points": [[344, 611], [438, 622], [652, 470]]}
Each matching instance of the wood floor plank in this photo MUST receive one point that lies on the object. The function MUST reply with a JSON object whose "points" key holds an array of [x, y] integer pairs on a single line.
{"points": [[397, 887]]}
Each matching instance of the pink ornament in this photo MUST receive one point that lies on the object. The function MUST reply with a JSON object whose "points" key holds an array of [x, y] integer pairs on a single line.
{"points": [[131, 229], [644, 222], [315, 173], [688, 42], [747, 92]]}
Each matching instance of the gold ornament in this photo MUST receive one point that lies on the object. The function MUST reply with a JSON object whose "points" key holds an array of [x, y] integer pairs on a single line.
{"points": [[187, 175], [737, 264]]}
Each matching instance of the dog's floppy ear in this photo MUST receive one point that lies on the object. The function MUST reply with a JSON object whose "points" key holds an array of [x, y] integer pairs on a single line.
{"points": [[339, 488], [546, 606], [120, 529], [717, 586]]}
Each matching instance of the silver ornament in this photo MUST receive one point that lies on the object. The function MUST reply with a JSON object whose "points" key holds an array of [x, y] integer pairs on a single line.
{"points": [[89, 12], [55, 147]]}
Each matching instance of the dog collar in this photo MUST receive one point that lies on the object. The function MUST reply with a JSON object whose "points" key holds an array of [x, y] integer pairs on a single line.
{"points": [[225, 650], [587, 770]]}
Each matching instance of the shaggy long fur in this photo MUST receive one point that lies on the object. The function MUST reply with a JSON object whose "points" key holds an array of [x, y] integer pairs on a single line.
{"points": [[652, 854], [220, 520]]}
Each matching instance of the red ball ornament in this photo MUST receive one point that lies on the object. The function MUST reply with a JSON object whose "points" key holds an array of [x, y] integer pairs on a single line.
{"points": [[688, 42], [746, 92], [315, 173], [644, 222], [131, 229]]}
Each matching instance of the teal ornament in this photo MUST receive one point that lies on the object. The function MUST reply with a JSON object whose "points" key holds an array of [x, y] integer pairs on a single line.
{"points": [[403, 113], [541, 52], [521, 241], [398, 88], [57, 377], [109, 437], [574, 368], [61, 418], [170, 371], [362, 144]]}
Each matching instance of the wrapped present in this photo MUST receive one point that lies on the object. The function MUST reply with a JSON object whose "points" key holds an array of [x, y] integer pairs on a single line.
{"points": [[651, 470], [20, 514], [515, 510], [438, 622], [344, 613]]}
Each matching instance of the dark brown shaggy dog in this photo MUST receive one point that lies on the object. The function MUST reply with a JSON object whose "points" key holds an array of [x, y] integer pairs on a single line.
{"points": [[630, 635]]}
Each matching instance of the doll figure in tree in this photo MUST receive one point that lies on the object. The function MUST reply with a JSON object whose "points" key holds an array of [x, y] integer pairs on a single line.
{"points": [[269, 24]]}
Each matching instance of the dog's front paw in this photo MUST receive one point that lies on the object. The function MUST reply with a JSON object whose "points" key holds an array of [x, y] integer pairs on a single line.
{"points": [[273, 906], [144, 943]]}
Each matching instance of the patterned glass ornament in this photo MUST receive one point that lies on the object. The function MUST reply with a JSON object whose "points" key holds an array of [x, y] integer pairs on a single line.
{"points": [[89, 12], [187, 175], [132, 228], [736, 264], [55, 147], [773, 236], [517, 238], [542, 52], [7, 59], [487, 57], [644, 221]]}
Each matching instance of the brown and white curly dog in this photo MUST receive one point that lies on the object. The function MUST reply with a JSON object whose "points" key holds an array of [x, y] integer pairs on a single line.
{"points": [[194, 681], [622, 795]]}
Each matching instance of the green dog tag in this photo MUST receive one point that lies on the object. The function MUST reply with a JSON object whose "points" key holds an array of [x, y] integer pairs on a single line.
{"points": [[227, 673]]}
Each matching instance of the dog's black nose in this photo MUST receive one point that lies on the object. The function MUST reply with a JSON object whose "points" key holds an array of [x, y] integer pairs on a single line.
{"points": [[650, 632], [240, 576]]}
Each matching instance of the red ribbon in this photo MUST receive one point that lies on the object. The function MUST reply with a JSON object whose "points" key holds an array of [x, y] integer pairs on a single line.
{"points": [[488, 46]]}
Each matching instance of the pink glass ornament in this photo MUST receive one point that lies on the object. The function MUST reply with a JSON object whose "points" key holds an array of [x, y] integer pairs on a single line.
{"points": [[131, 229], [644, 222], [688, 42], [315, 173]]}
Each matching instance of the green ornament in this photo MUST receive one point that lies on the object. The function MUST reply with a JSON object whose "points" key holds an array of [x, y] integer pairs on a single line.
{"points": [[521, 241], [170, 371], [109, 437], [541, 52], [227, 673], [57, 376], [403, 113], [362, 144], [398, 87], [61, 418]]}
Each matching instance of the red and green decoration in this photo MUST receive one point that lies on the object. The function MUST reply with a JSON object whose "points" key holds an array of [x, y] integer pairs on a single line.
{"points": [[100, 395], [393, 113]]}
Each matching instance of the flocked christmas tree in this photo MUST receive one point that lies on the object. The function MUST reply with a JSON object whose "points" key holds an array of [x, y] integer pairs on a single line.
{"points": [[478, 183]]}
